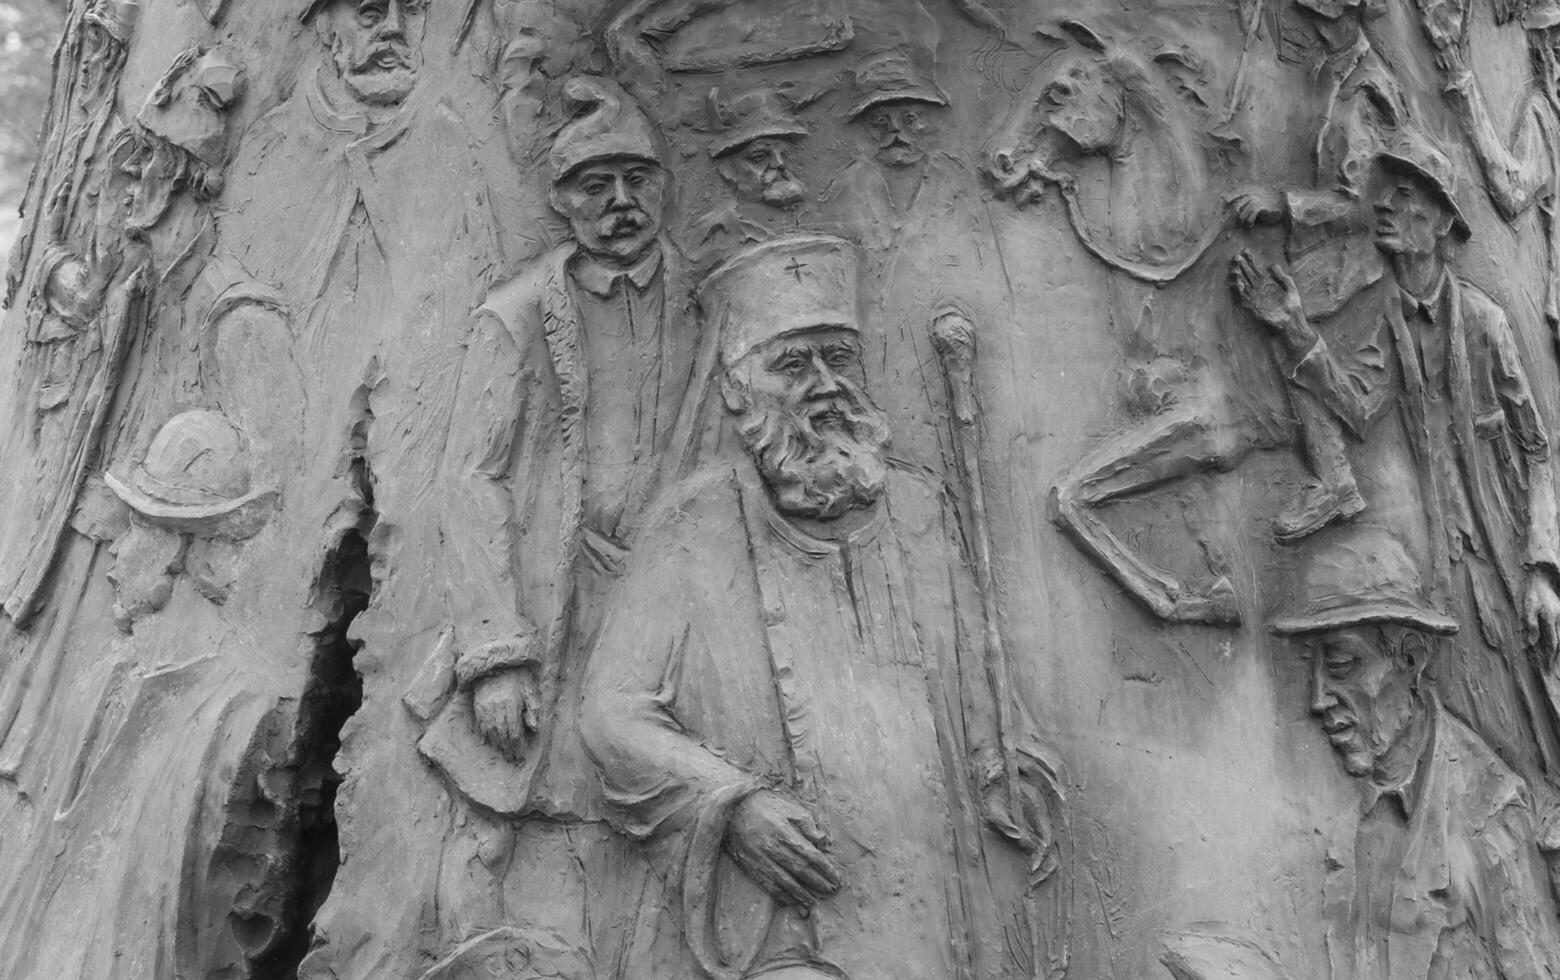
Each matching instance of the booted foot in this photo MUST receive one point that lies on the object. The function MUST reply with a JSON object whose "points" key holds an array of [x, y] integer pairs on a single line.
{"points": [[1317, 507]]}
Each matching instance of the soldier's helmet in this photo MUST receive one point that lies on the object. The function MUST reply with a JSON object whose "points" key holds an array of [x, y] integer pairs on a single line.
{"points": [[196, 478]]}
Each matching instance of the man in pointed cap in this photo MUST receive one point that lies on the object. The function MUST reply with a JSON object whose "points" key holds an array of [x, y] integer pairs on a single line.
{"points": [[1427, 399], [784, 706], [578, 390], [1448, 881]]}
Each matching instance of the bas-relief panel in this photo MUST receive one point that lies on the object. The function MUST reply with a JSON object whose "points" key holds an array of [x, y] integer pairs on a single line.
{"points": [[672, 489]]}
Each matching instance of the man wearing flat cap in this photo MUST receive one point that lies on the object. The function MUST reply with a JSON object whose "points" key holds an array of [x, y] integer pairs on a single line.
{"points": [[1447, 877], [756, 138], [570, 406], [1428, 400], [784, 706]]}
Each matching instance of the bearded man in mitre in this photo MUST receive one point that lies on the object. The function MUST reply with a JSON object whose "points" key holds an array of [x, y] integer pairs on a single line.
{"points": [[784, 706]]}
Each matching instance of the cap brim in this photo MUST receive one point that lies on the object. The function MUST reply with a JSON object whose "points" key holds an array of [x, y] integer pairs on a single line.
{"points": [[1400, 613], [908, 94], [736, 140], [223, 517], [1403, 163]]}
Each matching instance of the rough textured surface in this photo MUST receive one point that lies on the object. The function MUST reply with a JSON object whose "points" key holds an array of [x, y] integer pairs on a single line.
{"points": [[846, 488]]}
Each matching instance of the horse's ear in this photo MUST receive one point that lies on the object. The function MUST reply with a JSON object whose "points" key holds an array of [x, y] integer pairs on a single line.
{"points": [[1085, 35]]}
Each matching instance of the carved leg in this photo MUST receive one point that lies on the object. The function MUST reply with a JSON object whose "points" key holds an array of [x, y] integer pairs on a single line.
{"points": [[1180, 443]]}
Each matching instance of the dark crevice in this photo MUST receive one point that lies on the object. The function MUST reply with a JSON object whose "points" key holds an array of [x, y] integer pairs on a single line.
{"points": [[334, 693]]}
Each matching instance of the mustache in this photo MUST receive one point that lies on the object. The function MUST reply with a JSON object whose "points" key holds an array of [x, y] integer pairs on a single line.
{"points": [[624, 222], [386, 56]]}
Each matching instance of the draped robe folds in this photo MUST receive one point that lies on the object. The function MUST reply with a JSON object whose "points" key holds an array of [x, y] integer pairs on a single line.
{"points": [[742, 653]]}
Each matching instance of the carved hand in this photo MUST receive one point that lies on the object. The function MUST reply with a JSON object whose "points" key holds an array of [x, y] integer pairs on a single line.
{"points": [[1451, 63], [506, 704], [1031, 828], [1273, 298], [1541, 616], [778, 844], [1257, 205]]}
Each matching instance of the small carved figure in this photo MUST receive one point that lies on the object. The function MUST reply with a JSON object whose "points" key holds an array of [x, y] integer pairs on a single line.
{"points": [[109, 255], [1438, 355], [193, 484], [810, 752], [579, 389], [1447, 880], [1521, 170], [897, 108], [756, 139]]}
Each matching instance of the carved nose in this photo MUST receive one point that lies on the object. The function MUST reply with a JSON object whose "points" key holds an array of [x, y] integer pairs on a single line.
{"points": [[391, 25]]}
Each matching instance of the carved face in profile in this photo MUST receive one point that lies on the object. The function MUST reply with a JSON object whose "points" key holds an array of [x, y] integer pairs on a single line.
{"points": [[900, 130], [803, 413], [377, 46], [1411, 218], [1364, 690], [763, 170], [613, 206]]}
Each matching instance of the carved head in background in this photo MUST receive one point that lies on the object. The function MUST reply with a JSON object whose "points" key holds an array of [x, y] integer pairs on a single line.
{"points": [[899, 105], [1415, 199], [179, 141], [1371, 634], [541, 40], [608, 179], [758, 136], [794, 380], [376, 45]]}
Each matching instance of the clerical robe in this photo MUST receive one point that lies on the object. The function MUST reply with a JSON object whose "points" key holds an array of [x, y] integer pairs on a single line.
{"points": [[743, 653]]}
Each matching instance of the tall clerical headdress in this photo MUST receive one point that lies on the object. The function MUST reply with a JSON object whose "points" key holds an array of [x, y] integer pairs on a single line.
{"points": [[607, 124], [782, 286]]}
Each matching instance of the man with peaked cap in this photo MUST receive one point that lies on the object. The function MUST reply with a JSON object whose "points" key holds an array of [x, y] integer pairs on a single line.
{"points": [[1447, 880], [1422, 378], [578, 390], [785, 707], [756, 137]]}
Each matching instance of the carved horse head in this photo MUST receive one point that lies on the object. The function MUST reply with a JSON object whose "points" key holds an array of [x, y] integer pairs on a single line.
{"points": [[1130, 119]]}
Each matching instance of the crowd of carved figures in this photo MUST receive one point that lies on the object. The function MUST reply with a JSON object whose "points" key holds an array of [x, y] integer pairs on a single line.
{"points": [[706, 680]]}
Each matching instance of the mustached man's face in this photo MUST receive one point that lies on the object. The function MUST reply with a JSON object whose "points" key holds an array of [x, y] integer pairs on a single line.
{"points": [[377, 47], [1364, 700], [614, 207], [764, 170], [900, 130], [802, 410]]}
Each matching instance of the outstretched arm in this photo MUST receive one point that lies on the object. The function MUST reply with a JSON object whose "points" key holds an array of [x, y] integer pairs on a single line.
{"points": [[1516, 175]]}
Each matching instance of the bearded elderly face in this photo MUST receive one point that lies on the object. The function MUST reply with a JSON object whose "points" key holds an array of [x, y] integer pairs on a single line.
{"points": [[763, 170], [377, 46], [1364, 683], [802, 411]]}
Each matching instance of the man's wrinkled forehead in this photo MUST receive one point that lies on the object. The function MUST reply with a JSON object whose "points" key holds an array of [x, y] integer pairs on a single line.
{"points": [[823, 336]]}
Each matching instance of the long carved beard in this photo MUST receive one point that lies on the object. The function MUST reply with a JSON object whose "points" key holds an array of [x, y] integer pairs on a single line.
{"points": [[815, 472]]}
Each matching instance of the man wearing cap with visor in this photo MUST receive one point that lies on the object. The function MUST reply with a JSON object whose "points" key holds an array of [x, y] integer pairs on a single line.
{"points": [[756, 139], [1447, 880], [804, 748], [1423, 373]]}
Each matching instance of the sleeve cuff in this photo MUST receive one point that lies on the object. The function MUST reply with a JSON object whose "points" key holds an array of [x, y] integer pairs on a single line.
{"points": [[491, 657]]}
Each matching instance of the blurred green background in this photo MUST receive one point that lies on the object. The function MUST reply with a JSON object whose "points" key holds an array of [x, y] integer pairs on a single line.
{"points": [[29, 30]]}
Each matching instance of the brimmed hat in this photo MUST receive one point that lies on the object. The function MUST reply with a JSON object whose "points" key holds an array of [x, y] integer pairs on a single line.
{"points": [[895, 75], [1412, 152], [186, 106], [1362, 576], [196, 479], [785, 285], [608, 124], [749, 116]]}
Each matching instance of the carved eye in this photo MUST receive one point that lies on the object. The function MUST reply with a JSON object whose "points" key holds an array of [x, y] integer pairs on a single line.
{"points": [[371, 12], [842, 356], [1340, 667], [791, 363], [638, 178]]}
